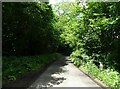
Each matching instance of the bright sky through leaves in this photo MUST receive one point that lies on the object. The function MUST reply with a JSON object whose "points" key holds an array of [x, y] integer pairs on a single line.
{"points": [[57, 1]]}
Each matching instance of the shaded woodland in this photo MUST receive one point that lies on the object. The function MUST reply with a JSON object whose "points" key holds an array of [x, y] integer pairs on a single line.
{"points": [[87, 32]]}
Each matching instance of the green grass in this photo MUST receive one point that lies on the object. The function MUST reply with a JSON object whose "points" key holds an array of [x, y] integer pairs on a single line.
{"points": [[14, 67], [108, 76]]}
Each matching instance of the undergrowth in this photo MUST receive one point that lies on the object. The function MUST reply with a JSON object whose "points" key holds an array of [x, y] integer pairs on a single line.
{"points": [[108, 76], [14, 67]]}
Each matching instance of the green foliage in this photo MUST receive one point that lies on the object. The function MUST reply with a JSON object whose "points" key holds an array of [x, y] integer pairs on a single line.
{"points": [[18, 66], [93, 27], [28, 28], [90, 30], [66, 23], [108, 76]]}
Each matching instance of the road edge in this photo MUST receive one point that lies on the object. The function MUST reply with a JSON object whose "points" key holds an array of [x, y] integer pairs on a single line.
{"points": [[97, 81]]}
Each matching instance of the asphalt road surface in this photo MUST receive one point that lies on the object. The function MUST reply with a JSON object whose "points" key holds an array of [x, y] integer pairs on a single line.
{"points": [[63, 74]]}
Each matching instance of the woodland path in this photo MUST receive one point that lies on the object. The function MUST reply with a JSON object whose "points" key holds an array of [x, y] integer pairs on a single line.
{"points": [[63, 73]]}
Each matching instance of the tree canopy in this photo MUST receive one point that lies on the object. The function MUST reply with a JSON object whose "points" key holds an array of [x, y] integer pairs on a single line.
{"points": [[35, 28], [92, 28], [28, 28], [85, 31]]}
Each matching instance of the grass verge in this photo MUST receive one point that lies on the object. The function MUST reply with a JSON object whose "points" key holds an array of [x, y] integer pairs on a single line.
{"points": [[108, 76], [14, 67]]}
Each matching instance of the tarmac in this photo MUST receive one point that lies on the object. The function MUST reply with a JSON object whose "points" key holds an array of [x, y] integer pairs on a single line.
{"points": [[63, 74]]}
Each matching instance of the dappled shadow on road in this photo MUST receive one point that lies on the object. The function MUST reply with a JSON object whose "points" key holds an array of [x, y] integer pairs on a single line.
{"points": [[52, 76], [44, 78]]}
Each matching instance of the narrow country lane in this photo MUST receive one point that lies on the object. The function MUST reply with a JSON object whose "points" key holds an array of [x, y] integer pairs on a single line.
{"points": [[63, 73]]}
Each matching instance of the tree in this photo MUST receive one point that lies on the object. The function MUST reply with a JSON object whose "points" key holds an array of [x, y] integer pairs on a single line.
{"points": [[28, 28], [93, 27]]}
